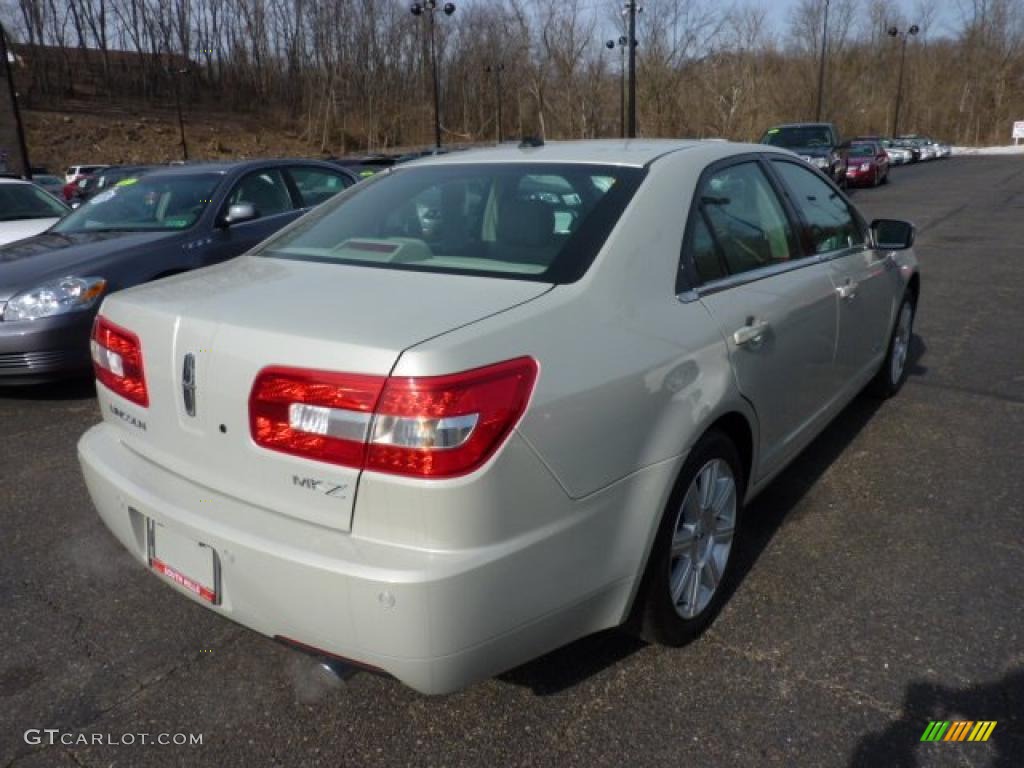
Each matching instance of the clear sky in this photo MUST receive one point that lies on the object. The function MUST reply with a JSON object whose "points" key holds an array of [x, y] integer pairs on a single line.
{"points": [[947, 14]]}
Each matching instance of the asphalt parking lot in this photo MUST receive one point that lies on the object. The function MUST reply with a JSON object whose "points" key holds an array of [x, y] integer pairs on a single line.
{"points": [[882, 586]]}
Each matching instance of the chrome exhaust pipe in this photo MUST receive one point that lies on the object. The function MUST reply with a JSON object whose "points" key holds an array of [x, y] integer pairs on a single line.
{"points": [[335, 672]]}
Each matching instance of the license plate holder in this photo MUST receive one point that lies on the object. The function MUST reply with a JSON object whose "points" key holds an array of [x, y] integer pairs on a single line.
{"points": [[192, 565]]}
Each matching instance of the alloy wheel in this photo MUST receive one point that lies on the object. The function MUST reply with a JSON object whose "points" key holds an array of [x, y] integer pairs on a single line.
{"points": [[901, 342], [702, 538]]}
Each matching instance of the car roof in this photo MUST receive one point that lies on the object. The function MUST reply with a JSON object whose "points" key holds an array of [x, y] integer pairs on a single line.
{"points": [[802, 125], [231, 166], [629, 152]]}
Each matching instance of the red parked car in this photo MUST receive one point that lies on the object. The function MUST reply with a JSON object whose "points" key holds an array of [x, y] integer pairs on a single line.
{"points": [[867, 164]]}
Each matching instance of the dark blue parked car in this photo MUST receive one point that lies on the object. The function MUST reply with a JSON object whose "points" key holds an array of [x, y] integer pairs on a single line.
{"points": [[165, 222]]}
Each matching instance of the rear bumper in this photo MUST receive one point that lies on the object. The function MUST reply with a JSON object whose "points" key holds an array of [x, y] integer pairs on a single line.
{"points": [[436, 620], [44, 349]]}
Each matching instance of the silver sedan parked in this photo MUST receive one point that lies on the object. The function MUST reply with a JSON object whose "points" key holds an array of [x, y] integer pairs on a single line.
{"points": [[484, 404]]}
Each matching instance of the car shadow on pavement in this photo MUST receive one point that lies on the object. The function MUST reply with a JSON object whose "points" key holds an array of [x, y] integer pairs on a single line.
{"points": [[572, 664], [74, 388], [899, 744], [914, 356]]}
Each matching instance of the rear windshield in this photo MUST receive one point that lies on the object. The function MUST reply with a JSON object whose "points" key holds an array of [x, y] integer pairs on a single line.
{"points": [[862, 150], [27, 201], [528, 221]]}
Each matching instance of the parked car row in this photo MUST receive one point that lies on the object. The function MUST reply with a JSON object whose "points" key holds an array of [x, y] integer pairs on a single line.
{"points": [[862, 161], [923, 148]]}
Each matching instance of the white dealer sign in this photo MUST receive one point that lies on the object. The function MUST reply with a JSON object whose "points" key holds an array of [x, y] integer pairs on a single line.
{"points": [[1018, 131]]}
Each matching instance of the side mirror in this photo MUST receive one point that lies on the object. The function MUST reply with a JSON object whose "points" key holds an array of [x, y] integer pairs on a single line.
{"points": [[238, 213], [892, 234]]}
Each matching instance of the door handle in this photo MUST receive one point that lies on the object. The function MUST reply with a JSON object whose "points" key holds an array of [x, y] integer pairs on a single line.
{"points": [[847, 290], [750, 335]]}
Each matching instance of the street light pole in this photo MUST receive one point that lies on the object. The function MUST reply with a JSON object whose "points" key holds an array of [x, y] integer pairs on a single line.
{"points": [[429, 7], [631, 9], [497, 70], [610, 45], [26, 169], [903, 37], [821, 65], [176, 73]]}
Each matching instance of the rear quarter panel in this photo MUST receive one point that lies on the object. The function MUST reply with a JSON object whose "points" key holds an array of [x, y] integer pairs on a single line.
{"points": [[629, 375]]}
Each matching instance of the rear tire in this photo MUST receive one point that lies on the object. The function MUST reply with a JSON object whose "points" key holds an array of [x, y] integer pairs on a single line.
{"points": [[890, 377], [690, 565]]}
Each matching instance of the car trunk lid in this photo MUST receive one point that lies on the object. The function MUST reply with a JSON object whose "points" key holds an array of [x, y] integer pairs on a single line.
{"points": [[207, 334]]}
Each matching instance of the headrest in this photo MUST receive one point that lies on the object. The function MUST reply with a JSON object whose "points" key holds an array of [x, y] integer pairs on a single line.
{"points": [[525, 223]]}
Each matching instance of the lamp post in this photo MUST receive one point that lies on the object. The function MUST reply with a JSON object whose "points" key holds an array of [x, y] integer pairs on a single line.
{"points": [[821, 65], [428, 7], [26, 169], [497, 69], [176, 74], [610, 45], [902, 36], [631, 9]]}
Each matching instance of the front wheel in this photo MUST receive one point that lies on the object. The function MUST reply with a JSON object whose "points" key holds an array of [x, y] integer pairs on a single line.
{"points": [[682, 589], [893, 373]]}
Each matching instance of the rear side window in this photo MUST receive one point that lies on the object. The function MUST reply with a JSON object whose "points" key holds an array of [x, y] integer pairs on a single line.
{"points": [[741, 224], [830, 224], [706, 256], [317, 184], [534, 221]]}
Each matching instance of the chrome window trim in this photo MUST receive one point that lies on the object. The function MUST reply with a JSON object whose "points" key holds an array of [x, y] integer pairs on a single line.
{"points": [[763, 273]]}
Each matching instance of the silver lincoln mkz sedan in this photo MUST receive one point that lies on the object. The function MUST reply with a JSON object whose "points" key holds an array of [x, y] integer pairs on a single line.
{"points": [[490, 402]]}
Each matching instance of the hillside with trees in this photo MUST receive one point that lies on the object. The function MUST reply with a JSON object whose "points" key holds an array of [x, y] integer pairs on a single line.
{"points": [[347, 75]]}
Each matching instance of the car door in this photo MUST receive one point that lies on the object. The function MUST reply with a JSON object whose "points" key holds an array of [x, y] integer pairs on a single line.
{"points": [[267, 190], [314, 184], [861, 276], [775, 306]]}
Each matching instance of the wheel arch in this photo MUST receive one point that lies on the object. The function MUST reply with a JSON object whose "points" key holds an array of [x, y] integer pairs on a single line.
{"points": [[739, 425], [737, 428], [914, 287]]}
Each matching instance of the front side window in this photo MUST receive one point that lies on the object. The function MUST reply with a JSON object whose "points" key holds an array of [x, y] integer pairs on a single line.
{"points": [[830, 222], [317, 184], [519, 220], [740, 214], [265, 190], [152, 203]]}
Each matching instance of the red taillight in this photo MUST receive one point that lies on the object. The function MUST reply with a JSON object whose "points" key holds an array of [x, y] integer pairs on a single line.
{"points": [[117, 360], [443, 426], [317, 414], [437, 426]]}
